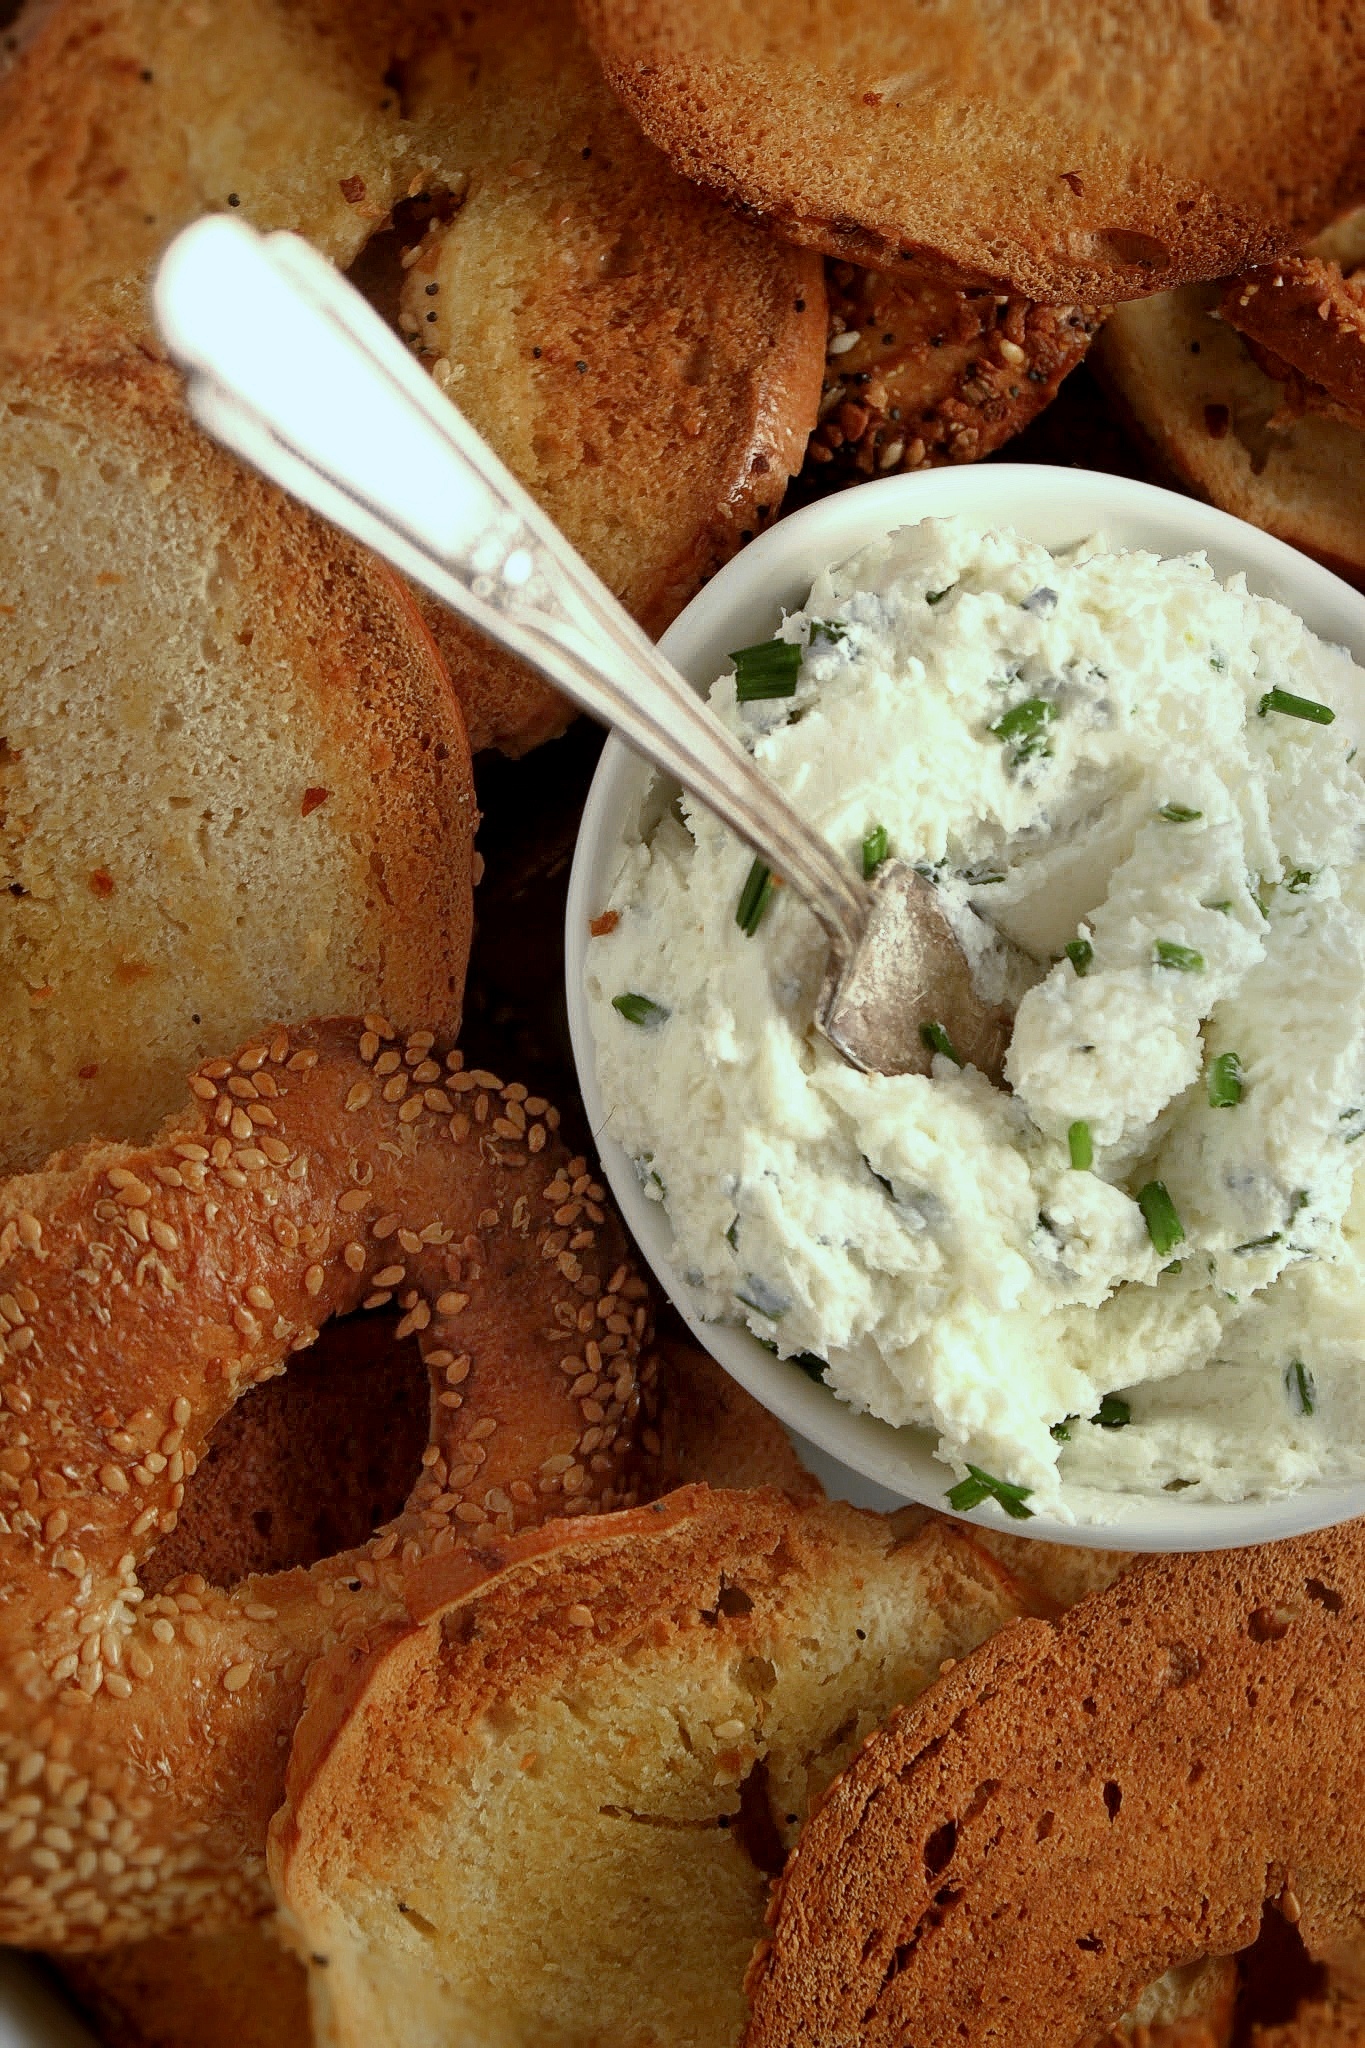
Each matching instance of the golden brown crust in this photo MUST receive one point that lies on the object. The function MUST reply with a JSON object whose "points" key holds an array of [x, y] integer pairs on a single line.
{"points": [[123, 120], [662, 1692], [645, 363], [235, 1990], [325, 1167], [1017, 146], [271, 727], [921, 372], [1145, 1773], [1305, 321]]}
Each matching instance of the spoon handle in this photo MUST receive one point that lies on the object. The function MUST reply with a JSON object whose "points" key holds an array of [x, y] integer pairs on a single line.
{"points": [[295, 372]]}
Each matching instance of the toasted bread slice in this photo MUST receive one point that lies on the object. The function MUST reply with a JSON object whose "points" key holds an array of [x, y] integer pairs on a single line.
{"points": [[234, 1990], [547, 1812], [558, 238], [122, 120], [234, 781], [1097, 1799], [921, 372], [1071, 154], [1062, 1572], [647, 364], [1217, 422]]}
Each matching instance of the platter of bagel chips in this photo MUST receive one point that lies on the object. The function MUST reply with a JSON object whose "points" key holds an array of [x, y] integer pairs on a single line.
{"points": [[409, 1633]]}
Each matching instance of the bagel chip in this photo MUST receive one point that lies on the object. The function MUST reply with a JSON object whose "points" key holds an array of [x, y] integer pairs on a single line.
{"points": [[1072, 154]]}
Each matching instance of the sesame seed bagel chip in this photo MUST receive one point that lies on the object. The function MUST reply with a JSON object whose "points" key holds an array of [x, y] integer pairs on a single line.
{"points": [[326, 1167]]}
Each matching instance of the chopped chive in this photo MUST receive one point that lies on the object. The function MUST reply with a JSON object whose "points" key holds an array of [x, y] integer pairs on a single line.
{"points": [[768, 670], [1291, 706], [1259, 1244], [978, 1486], [753, 898], [827, 629], [1164, 1226], [1060, 1432], [1301, 1385], [1299, 880], [1225, 905], [732, 1234], [639, 1009], [1216, 661], [1225, 1081], [1184, 959], [1080, 953], [937, 1040], [1178, 814], [1024, 728], [814, 1368], [875, 849], [1081, 1148], [937, 596], [1113, 1413]]}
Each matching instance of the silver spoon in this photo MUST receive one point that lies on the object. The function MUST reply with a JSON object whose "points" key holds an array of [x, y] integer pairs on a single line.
{"points": [[292, 369]]}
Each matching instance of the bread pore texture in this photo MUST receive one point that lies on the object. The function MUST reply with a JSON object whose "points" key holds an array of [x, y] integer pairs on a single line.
{"points": [[234, 780], [548, 1812]]}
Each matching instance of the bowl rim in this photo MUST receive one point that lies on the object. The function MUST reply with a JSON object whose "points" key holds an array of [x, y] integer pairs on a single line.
{"points": [[773, 572]]}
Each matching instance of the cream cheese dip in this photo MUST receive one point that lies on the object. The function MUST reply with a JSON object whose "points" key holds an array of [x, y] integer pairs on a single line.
{"points": [[1139, 1266]]}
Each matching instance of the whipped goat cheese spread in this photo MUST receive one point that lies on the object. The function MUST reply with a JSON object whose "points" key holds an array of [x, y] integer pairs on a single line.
{"points": [[1139, 1265]]}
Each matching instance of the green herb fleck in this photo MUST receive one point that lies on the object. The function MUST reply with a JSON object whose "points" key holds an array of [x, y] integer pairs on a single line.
{"points": [[937, 1040], [768, 670], [1113, 1413], [1024, 728], [732, 1234], [813, 1367], [1225, 906], [1216, 661], [827, 629], [1164, 1226], [1225, 1081], [1080, 953], [937, 596], [1298, 880], [978, 1486], [875, 849], [1080, 1146], [1301, 1385], [1291, 706], [1178, 814], [639, 1009], [1060, 1432], [1259, 1244], [1183, 959], [754, 898]]}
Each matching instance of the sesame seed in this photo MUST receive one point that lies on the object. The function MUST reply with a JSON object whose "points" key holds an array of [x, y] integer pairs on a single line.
{"points": [[359, 1095], [236, 1676], [353, 1200]]}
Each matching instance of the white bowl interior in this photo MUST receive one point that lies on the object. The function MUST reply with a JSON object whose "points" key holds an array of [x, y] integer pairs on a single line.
{"points": [[743, 604]]}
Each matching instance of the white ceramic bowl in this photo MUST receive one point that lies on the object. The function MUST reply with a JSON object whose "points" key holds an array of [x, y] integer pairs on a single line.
{"points": [[744, 604]]}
